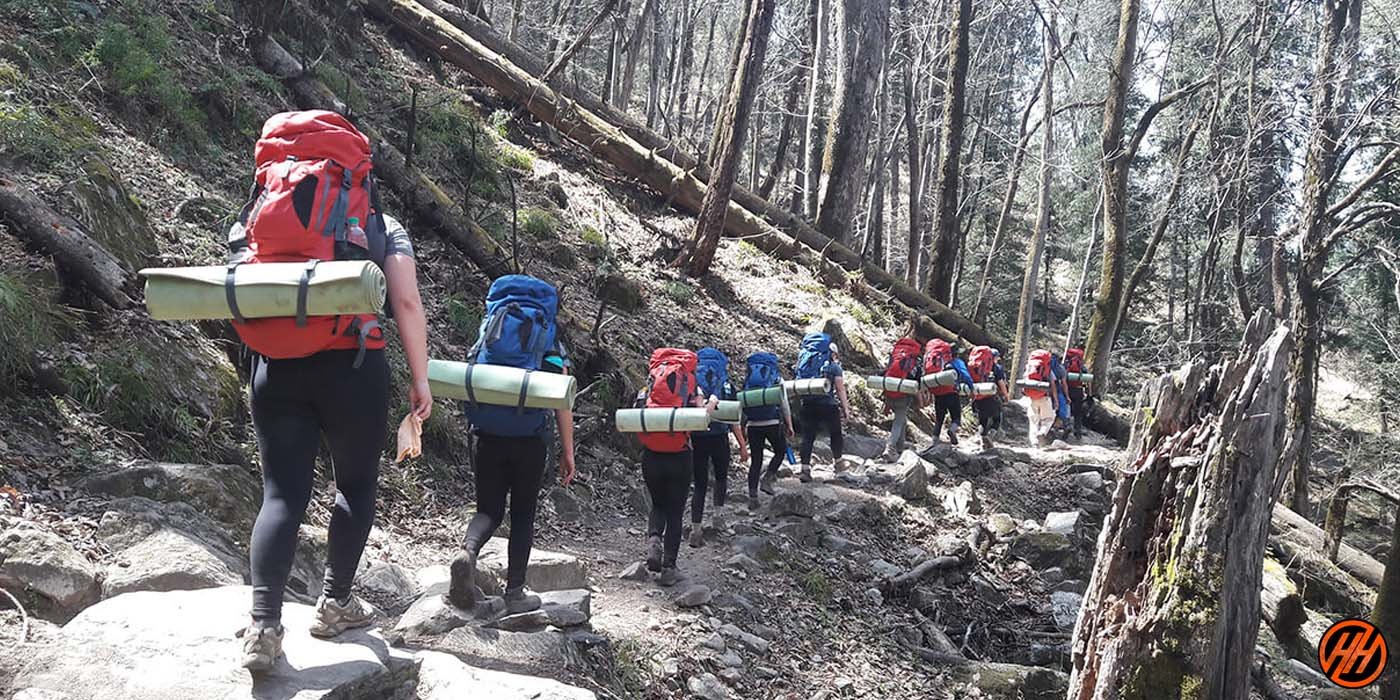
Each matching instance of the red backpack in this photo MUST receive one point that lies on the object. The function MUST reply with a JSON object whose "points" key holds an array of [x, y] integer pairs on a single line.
{"points": [[671, 384], [981, 364], [938, 356], [313, 184], [904, 363], [1074, 362], [1038, 368]]}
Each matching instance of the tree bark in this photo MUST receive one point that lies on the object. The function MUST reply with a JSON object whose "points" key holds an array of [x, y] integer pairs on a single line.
{"points": [[1173, 606], [865, 26], [790, 103], [945, 242], [1340, 30], [579, 41], [733, 122], [428, 203], [1076, 314], [913, 146], [1042, 222], [817, 21], [40, 227], [682, 185]]}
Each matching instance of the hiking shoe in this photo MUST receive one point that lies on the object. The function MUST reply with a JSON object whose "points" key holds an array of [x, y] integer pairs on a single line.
{"points": [[805, 475], [697, 537], [262, 644], [753, 503], [669, 577], [766, 483], [518, 600], [986, 442], [334, 616], [462, 591], [653, 553], [953, 437]]}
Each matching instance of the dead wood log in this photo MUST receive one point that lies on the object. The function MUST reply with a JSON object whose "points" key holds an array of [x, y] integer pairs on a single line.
{"points": [[1174, 599], [771, 228], [901, 583], [75, 252], [1301, 533], [429, 204], [1322, 581], [1282, 607]]}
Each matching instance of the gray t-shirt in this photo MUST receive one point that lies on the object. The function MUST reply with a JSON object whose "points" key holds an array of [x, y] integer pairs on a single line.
{"points": [[398, 240]]}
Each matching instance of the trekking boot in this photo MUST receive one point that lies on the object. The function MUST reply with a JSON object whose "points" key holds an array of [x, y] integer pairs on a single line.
{"points": [[987, 442], [518, 600], [334, 616], [669, 577], [463, 591], [753, 503], [953, 435], [697, 536], [262, 644], [805, 475], [654, 553], [766, 483]]}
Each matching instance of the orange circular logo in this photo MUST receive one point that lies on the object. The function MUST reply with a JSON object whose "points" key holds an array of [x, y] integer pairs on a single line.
{"points": [[1352, 653]]}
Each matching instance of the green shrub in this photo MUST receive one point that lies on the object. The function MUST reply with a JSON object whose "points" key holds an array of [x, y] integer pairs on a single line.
{"points": [[816, 585], [136, 57], [464, 317], [538, 223], [680, 292], [513, 157]]}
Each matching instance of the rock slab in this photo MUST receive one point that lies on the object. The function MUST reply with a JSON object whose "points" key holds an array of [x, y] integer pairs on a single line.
{"points": [[42, 562], [444, 677], [549, 571]]}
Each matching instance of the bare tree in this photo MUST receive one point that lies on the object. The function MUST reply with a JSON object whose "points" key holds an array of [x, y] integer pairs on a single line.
{"points": [[945, 242], [1036, 250]]}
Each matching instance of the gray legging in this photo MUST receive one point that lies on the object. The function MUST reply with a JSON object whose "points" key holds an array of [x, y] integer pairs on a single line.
{"points": [[295, 403]]}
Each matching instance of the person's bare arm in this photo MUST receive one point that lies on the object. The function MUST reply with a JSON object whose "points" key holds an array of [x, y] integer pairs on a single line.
{"points": [[743, 442], [402, 275], [564, 418], [841, 394]]}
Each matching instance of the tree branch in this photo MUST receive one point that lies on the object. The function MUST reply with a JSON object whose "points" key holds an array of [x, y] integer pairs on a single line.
{"points": [[1382, 171], [1145, 122]]}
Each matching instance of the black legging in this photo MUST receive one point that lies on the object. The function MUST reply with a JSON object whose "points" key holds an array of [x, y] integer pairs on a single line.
{"points": [[511, 466], [776, 437], [821, 416], [711, 452], [295, 403], [667, 475], [988, 410]]}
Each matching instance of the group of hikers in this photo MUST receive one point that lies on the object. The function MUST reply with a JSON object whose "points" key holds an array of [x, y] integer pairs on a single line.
{"points": [[326, 379]]}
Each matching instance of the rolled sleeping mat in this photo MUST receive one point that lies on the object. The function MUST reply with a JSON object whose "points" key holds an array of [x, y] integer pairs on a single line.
{"points": [[264, 290], [768, 396], [729, 411], [662, 420], [984, 389], [1081, 377], [899, 386], [1032, 384], [499, 385], [819, 386], [947, 377]]}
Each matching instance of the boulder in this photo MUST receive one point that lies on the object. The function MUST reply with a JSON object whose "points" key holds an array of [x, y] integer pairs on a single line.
{"points": [[544, 653], [883, 569], [445, 677], [744, 563], [752, 642], [804, 532], [308, 573], [386, 584], [1088, 481], [434, 578], [757, 547], [1064, 606], [521, 622], [430, 615], [693, 596], [636, 571], [566, 504], [997, 681], [44, 563], [181, 644], [800, 503], [166, 547], [229, 494], [863, 446], [1002, 525], [962, 501], [548, 571], [1067, 523], [577, 600], [912, 484], [708, 687], [1042, 550]]}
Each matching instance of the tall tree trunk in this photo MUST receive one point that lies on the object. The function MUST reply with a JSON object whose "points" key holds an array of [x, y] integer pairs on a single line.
{"points": [[628, 53], [865, 25], [733, 120], [1013, 184], [893, 228], [654, 76], [790, 102], [704, 74], [817, 23], [913, 146], [1159, 228], [1042, 220], [680, 78], [1386, 616], [1173, 606], [1076, 314], [945, 240], [1336, 52], [1114, 166]]}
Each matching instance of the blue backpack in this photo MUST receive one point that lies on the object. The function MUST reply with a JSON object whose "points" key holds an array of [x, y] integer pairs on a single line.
{"points": [[763, 373], [814, 356], [712, 376], [517, 331]]}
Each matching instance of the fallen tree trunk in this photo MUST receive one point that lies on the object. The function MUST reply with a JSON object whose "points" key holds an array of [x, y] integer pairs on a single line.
{"points": [[1173, 606], [429, 204], [1282, 607], [664, 169], [1319, 579], [1290, 527], [39, 226]]}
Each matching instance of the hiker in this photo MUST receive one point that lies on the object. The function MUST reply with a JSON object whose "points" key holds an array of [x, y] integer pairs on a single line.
{"points": [[1061, 384], [320, 377], [711, 447], [1079, 389], [906, 362], [765, 425], [1044, 398], [1003, 392], [941, 357], [519, 329], [815, 360], [982, 365], [667, 459]]}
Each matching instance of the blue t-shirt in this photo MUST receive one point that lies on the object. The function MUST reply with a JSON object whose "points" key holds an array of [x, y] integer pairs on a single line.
{"points": [[998, 373], [964, 376], [831, 371]]}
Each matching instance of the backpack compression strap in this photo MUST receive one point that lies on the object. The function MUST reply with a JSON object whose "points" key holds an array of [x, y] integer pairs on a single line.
{"points": [[362, 331], [230, 292], [467, 381], [524, 387], [303, 286]]}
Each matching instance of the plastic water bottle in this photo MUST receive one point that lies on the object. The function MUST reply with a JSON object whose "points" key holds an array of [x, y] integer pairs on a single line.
{"points": [[791, 458], [356, 235]]}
